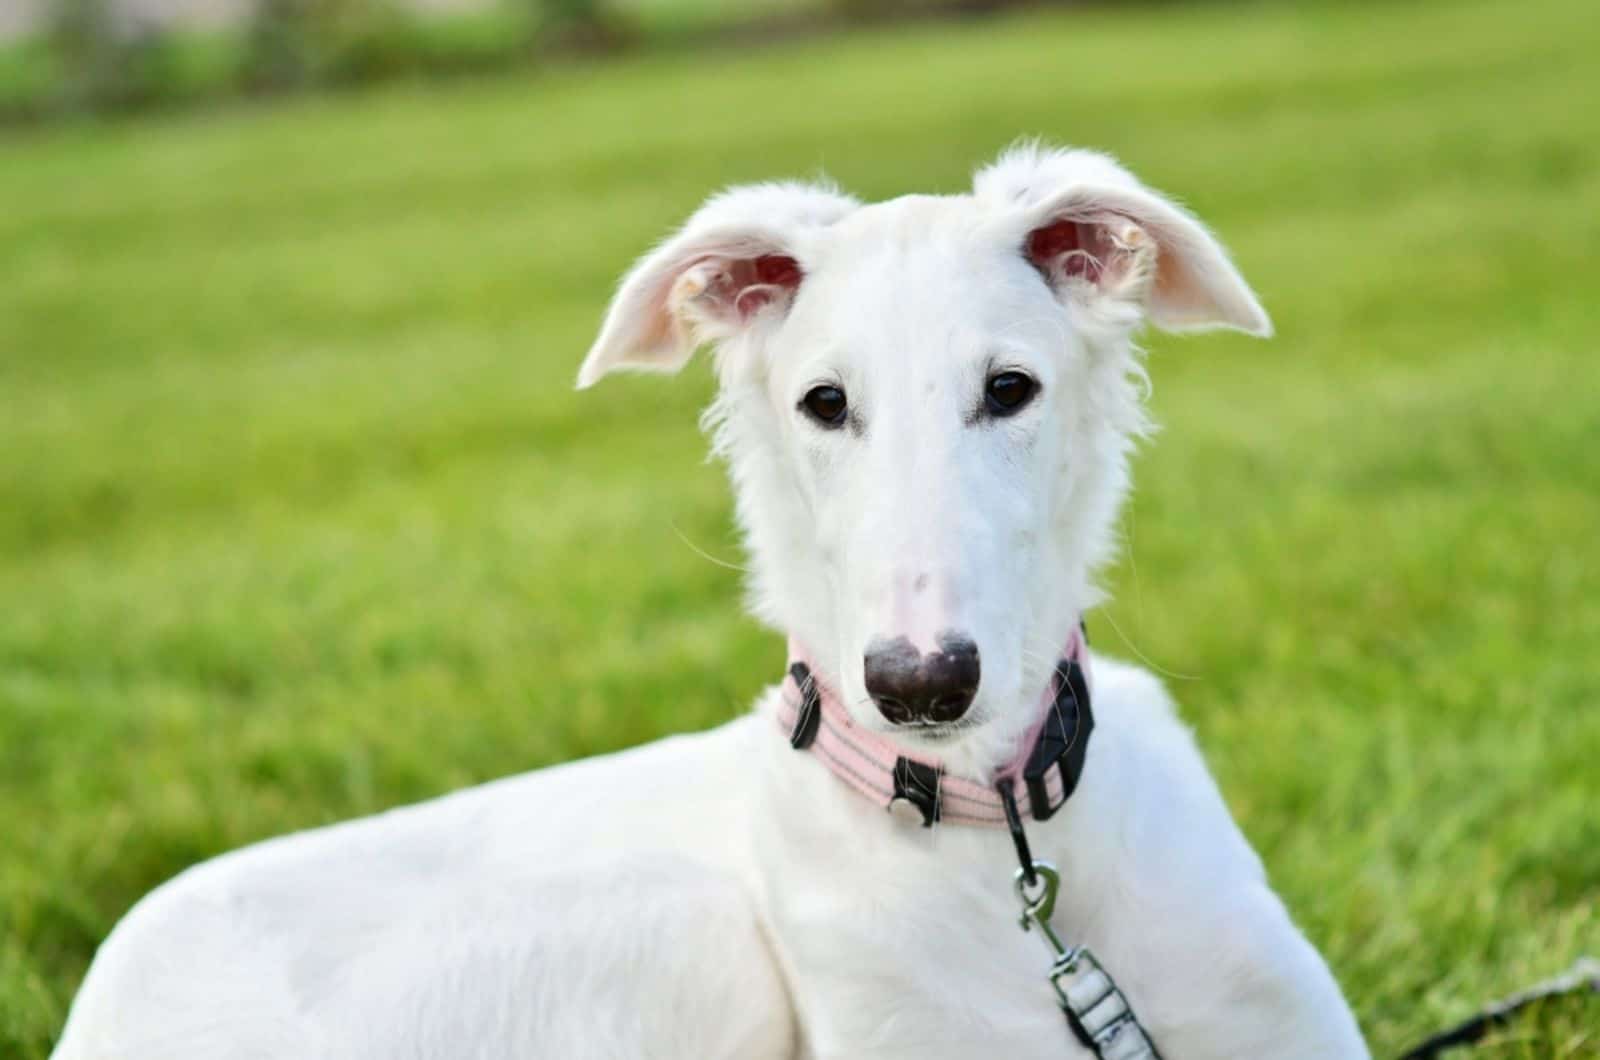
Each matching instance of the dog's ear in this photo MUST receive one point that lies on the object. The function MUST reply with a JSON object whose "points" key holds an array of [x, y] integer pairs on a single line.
{"points": [[1094, 232], [737, 262]]}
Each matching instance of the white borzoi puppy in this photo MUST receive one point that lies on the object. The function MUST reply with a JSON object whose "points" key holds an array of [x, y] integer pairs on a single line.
{"points": [[927, 406]]}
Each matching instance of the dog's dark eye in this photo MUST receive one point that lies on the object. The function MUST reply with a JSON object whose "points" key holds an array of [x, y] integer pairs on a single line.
{"points": [[826, 405], [1007, 392]]}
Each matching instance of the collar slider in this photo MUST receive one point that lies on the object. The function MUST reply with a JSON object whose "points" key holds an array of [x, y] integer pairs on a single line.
{"points": [[916, 792], [809, 717]]}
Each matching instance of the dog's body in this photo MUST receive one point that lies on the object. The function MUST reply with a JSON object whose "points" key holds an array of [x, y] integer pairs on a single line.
{"points": [[720, 895], [724, 895]]}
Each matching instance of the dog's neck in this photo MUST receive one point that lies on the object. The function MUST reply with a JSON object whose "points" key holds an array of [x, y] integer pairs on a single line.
{"points": [[1040, 774]]}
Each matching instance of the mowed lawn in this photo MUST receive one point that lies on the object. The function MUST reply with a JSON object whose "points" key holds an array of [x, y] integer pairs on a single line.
{"points": [[300, 517]]}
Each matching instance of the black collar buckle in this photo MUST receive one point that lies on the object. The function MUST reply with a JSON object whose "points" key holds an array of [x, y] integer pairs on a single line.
{"points": [[1063, 742]]}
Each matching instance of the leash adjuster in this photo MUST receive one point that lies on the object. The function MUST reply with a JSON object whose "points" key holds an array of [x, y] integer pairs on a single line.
{"points": [[1096, 1010]]}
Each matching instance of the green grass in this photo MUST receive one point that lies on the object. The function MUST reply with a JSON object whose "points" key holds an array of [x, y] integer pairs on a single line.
{"points": [[299, 518]]}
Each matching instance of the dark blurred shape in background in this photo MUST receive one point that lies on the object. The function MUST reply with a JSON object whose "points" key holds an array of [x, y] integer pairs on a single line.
{"points": [[71, 56]]}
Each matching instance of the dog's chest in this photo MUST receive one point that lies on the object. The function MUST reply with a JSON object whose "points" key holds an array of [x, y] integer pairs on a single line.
{"points": [[899, 941], [945, 981]]}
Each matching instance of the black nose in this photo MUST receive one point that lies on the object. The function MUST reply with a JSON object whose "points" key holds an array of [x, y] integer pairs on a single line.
{"points": [[909, 686]]}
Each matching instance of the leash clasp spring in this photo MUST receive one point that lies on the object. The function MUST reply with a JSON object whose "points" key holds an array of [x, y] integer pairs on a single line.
{"points": [[1038, 897]]}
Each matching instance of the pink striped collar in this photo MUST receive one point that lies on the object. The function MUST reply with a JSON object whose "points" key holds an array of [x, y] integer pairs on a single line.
{"points": [[1046, 766]]}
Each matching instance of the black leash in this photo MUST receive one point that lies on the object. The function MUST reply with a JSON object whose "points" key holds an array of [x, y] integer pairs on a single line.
{"points": [[1019, 838], [1583, 977]]}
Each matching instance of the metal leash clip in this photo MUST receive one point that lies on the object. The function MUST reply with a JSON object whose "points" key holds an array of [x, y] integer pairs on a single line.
{"points": [[1095, 1008]]}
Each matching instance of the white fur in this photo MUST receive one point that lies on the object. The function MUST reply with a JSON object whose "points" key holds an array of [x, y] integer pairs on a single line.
{"points": [[721, 895]]}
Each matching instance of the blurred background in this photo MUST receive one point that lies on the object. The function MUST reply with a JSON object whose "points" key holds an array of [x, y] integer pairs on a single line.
{"points": [[300, 517]]}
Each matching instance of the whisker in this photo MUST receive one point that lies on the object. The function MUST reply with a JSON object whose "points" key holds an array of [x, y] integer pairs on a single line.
{"points": [[1133, 560], [703, 554], [1142, 657]]}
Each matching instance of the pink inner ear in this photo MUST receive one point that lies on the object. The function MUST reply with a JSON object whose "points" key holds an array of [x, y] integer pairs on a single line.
{"points": [[777, 269], [1057, 250], [763, 281]]}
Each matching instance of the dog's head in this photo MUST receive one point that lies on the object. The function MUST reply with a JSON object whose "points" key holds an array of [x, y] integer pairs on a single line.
{"points": [[927, 406]]}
